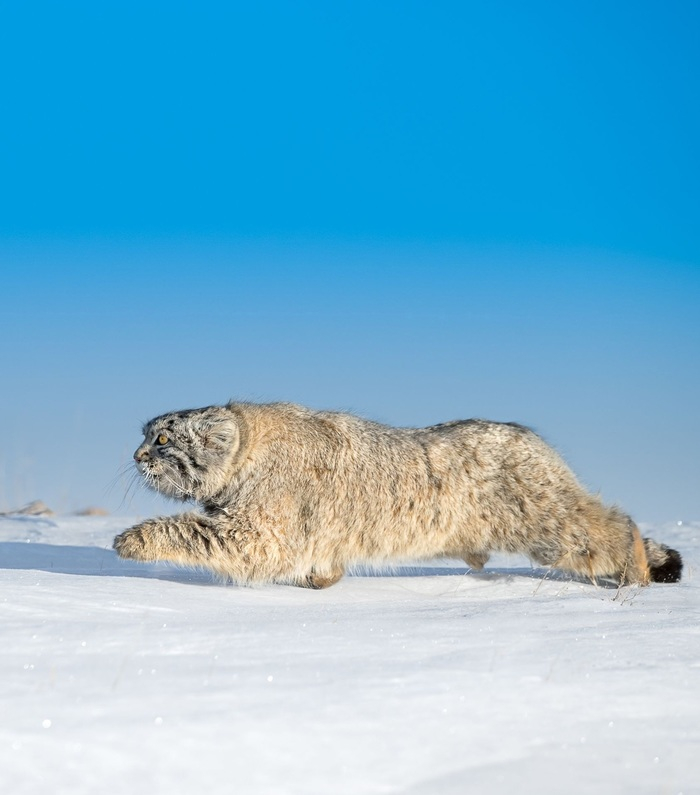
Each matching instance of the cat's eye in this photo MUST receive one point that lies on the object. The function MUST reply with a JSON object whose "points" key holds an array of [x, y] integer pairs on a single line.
{"points": [[162, 439]]}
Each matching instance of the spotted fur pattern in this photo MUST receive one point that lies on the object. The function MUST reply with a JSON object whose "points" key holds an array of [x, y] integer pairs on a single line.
{"points": [[297, 496]]}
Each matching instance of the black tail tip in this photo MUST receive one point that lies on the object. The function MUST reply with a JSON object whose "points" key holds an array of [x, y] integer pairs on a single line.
{"points": [[670, 570]]}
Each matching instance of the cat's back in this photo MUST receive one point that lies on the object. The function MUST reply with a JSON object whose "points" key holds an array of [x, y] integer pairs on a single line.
{"points": [[299, 435], [472, 436], [308, 428], [474, 450]]}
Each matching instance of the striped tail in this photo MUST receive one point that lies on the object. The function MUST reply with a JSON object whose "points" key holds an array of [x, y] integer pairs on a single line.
{"points": [[665, 564]]}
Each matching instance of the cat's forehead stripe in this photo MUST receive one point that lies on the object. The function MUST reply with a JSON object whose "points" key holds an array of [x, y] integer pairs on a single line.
{"points": [[167, 421]]}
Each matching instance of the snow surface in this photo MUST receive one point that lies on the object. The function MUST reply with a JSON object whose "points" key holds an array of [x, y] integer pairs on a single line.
{"points": [[123, 677]]}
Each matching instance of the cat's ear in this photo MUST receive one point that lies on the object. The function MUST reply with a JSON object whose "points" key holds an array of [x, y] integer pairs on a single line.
{"points": [[218, 433]]}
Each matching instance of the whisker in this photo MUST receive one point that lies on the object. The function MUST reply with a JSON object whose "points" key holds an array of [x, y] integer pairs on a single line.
{"points": [[122, 472], [132, 486], [174, 484]]}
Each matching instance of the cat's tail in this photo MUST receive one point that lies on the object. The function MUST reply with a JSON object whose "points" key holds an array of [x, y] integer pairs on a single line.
{"points": [[665, 564]]}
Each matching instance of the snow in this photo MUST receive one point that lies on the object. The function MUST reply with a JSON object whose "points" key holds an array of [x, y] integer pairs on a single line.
{"points": [[124, 677]]}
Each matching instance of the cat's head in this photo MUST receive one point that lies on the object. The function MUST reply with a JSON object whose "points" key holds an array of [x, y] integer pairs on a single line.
{"points": [[187, 455]]}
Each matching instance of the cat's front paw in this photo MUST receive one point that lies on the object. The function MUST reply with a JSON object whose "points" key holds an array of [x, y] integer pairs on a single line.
{"points": [[134, 544]]}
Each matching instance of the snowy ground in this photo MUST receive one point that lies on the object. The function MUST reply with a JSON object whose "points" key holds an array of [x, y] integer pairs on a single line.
{"points": [[119, 677]]}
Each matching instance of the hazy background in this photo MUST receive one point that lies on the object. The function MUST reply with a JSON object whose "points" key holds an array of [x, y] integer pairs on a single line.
{"points": [[416, 211]]}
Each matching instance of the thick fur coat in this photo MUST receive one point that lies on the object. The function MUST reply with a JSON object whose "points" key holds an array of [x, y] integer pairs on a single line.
{"points": [[297, 496]]}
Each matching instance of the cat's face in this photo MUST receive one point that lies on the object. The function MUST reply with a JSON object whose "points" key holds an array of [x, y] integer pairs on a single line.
{"points": [[186, 454]]}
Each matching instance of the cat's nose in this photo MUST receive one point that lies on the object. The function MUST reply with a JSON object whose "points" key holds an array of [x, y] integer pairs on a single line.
{"points": [[140, 454]]}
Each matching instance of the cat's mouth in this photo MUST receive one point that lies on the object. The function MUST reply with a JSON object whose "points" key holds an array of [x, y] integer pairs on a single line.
{"points": [[161, 481], [150, 473], [147, 472]]}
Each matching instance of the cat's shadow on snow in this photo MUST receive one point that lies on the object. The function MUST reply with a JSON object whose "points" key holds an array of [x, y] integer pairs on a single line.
{"points": [[103, 562], [91, 562]]}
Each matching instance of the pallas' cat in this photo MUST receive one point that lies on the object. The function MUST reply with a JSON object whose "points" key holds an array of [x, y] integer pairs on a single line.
{"points": [[297, 496]]}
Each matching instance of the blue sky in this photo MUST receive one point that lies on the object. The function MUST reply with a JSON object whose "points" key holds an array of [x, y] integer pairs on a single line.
{"points": [[416, 211]]}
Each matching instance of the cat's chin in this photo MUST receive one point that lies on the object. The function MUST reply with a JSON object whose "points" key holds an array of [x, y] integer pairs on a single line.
{"points": [[164, 486]]}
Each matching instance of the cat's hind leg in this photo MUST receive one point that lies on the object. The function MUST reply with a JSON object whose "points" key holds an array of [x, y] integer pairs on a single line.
{"points": [[597, 542], [322, 579], [475, 560]]}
